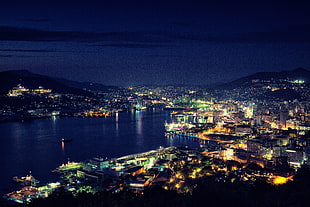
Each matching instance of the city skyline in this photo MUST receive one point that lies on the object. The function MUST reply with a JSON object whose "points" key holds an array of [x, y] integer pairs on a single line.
{"points": [[123, 44], [155, 103]]}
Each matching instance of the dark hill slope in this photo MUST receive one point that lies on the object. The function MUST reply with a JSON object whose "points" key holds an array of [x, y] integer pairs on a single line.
{"points": [[297, 74], [10, 79]]}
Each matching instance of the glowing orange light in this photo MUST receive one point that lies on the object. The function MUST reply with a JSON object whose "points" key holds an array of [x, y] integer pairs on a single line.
{"points": [[278, 180]]}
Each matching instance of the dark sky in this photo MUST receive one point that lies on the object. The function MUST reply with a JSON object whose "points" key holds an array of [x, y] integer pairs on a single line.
{"points": [[154, 42]]}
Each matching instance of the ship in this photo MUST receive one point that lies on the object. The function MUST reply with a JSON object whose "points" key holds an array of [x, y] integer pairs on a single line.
{"points": [[27, 180], [66, 140]]}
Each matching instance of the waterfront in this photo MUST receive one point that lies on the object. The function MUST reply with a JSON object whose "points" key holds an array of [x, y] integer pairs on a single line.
{"points": [[36, 145]]}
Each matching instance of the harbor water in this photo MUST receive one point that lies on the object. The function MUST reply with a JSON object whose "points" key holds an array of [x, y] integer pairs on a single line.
{"points": [[36, 145]]}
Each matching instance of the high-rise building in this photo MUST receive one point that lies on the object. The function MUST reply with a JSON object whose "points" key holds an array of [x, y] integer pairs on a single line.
{"points": [[283, 118]]}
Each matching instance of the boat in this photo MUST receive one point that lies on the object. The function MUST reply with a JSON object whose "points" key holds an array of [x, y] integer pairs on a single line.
{"points": [[27, 180], [66, 140]]}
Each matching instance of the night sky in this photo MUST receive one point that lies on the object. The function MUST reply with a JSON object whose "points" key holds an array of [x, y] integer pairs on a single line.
{"points": [[154, 42]]}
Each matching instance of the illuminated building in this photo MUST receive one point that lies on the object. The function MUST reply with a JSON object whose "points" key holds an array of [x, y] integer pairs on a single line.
{"points": [[295, 157], [283, 118], [41, 90], [18, 91], [98, 163]]}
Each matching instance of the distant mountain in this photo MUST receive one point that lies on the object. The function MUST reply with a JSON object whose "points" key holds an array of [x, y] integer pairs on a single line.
{"points": [[87, 85], [10, 79], [275, 77]]}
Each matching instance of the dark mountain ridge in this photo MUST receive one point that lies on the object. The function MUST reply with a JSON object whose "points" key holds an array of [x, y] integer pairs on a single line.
{"points": [[276, 77], [10, 79]]}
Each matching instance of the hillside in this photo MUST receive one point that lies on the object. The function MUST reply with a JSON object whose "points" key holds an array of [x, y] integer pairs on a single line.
{"points": [[10, 79], [274, 77]]}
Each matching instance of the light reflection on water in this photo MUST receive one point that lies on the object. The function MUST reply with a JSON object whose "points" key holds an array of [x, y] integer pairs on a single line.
{"points": [[63, 147], [116, 124], [139, 127]]}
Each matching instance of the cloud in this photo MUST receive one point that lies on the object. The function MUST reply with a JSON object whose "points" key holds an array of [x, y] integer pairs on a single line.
{"points": [[134, 45], [23, 50], [294, 34], [182, 23], [14, 56], [34, 20], [152, 39], [28, 34]]}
